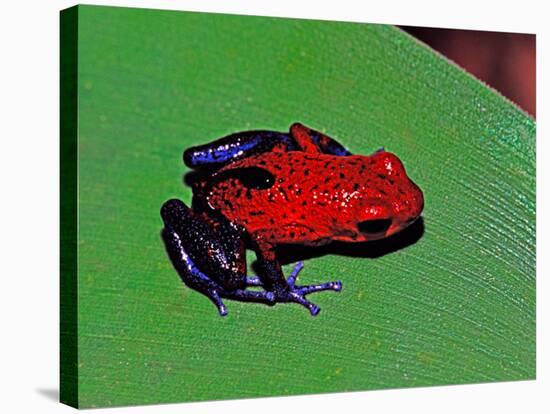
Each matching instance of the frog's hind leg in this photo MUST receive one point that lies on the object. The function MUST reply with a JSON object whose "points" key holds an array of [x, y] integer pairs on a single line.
{"points": [[188, 270], [197, 280], [313, 141], [209, 261], [237, 146]]}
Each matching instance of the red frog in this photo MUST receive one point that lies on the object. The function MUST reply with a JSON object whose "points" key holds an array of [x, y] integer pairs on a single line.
{"points": [[258, 189]]}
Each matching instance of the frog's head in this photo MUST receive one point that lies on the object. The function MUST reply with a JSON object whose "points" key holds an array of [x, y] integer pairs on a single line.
{"points": [[393, 200]]}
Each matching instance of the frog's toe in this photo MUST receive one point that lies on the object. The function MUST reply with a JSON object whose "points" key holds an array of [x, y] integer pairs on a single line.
{"points": [[295, 272], [215, 297], [305, 290], [300, 299], [297, 294]]}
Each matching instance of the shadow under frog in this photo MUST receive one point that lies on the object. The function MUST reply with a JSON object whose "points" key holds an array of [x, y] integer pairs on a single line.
{"points": [[369, 250], [288, 197]]}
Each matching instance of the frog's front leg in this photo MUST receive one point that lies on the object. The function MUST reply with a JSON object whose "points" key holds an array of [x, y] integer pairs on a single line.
{"points": [[286, 290]]}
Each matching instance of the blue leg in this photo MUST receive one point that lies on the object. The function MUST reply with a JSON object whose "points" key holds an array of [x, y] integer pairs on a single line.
{"points": [[287, 291], [299, 292], [195, 279], [189, 272], [296, 293], [235, 147]]}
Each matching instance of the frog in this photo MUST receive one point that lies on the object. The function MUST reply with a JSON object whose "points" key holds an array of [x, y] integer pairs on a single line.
{"points": [[260, 189]]}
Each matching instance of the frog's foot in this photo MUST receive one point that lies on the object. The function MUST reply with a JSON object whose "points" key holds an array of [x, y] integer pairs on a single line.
{"points": [[297, 294], [215, 295], [243, 295]]}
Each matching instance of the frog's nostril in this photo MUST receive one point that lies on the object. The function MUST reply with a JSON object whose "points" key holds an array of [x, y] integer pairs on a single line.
{"points": [[374, 226]]}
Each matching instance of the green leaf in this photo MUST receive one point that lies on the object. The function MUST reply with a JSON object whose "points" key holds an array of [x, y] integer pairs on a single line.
{"points": [[457, 306]]}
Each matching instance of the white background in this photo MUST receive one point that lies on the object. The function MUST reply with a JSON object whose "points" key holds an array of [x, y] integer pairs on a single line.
{"points": [[29, 205]]}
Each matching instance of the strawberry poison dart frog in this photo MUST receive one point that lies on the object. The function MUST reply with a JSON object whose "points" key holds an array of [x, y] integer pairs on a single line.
{"points": [[258, 189]]}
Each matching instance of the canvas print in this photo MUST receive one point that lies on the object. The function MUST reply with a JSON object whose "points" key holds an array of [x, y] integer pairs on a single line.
{"points": [[256, 206]]}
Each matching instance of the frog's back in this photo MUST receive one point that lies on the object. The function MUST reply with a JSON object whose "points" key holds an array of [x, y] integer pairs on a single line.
{"points": [[291, 196]]}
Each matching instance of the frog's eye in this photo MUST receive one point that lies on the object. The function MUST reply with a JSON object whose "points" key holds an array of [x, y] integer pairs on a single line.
{"points": [[254, 178]]}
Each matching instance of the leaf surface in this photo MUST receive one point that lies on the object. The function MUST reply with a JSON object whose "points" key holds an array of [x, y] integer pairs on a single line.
{"points": [[456, 306]]}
